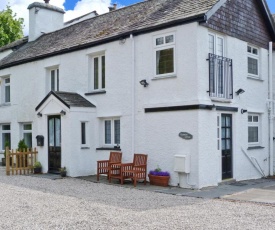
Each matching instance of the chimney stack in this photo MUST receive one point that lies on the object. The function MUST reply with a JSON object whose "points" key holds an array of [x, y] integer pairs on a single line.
{"points": [[111, 8], [44, 18]]}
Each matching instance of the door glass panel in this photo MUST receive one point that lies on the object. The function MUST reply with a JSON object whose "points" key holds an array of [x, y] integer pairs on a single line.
{"points": [[57, 132], [228, 144], [223, 132], [220, 47], [223, 121], [223, 144], [228, 121], [51, 132], [228, 133]]}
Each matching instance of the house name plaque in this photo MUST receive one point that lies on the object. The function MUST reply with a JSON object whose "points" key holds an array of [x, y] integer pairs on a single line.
{"points": [[185, 135]]}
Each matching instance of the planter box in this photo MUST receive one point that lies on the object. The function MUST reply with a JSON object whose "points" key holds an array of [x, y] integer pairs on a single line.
{"points": [[159, 180]]}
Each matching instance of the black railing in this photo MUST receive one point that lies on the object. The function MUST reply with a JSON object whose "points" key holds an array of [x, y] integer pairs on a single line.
{"points": [[220, 77]]}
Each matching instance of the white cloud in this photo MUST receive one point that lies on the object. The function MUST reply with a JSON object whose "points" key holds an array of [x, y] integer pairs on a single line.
{"points": [[82, 7]]}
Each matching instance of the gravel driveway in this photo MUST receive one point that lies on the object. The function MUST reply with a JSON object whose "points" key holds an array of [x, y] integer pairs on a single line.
{"points": [[38, 203]]}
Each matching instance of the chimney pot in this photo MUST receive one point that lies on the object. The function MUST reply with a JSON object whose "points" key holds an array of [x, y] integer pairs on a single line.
{"points": [[115, 5], [47, 1]]}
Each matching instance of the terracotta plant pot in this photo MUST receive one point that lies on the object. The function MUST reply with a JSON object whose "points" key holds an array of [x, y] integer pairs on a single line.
{"points": [[159, 180], [37, 170], [63, 174]]}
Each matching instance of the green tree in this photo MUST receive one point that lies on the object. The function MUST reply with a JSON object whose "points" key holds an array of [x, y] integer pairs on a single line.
{"points": [[11, 28]]}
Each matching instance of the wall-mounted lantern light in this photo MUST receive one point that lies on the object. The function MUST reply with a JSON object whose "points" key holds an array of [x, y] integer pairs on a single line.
{"points": [[243, 111], [144, 82], [240, 91], [62, 112], [39, 115]]}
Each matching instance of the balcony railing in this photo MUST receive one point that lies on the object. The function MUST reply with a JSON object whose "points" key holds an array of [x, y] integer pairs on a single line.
{"points": [[220, 77]]}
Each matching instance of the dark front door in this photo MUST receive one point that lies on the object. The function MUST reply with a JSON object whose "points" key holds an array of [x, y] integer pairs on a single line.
{"points": [[226, 129], [54, 143]]}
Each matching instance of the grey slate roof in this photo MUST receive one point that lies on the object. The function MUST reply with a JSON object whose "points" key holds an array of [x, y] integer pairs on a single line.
{"points": [[69, 99], [14, 45], [138, 17]]}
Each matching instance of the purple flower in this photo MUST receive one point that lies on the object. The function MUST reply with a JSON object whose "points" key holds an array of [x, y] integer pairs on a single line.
{"points": [[157, 173]]}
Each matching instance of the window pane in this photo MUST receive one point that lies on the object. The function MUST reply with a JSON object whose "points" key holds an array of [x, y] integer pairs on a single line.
{"points": [[252, 66], [57, 132], [255, 119], [6, 137], [255, 51], [249, 118], [165, 61], [6, 127], [253, 134], [248, 49], [211, 44], [117, 131], [52, 80], [159, 41], [108, 132], [27, 127], [7, 80], [169, 39], [220, 47], [28, 139], [51, 132], [57, 80], [83, 133], [103, 71], [7, 94], [96, 73]]}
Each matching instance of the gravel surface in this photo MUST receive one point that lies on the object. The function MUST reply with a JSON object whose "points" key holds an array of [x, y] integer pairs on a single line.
{"points": [[37, 203]]}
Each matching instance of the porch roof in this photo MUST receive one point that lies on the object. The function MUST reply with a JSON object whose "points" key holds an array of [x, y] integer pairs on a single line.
{"points": [[69, 99]]}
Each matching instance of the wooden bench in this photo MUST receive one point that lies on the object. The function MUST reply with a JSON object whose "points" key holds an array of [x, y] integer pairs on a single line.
{"points": [[135, 171]]}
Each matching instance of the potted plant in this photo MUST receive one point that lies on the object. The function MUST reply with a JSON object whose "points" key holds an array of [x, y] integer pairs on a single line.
{"points": [[158, 177], [37, 167], [63, 172]]}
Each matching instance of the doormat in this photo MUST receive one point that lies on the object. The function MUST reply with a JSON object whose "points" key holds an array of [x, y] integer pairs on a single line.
{"points": [[238, 184]]}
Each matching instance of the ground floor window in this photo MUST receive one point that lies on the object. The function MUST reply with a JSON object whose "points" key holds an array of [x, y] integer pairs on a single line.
{"points": [[112, 132], [253, 128], [5, 136], [27, 134]]}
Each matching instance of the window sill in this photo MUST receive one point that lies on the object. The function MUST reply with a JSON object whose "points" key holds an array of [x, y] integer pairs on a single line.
{"points": [[224, 100], [96, 92], [255, 78], [5, 104], [85, 147], [163, 77], [255, 147], [107, 148]]}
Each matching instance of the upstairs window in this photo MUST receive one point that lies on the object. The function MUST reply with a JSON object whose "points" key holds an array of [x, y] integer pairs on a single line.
{"points": [[6, 95], [165, 55], [54, 80], [99, 72], [253, 61]]}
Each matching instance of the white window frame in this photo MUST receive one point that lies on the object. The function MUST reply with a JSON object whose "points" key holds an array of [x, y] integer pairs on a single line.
{"points": [[3, 90], [92, 79], [2, 132], [86, 144], [256, 57], [164, 46], [112, 144], [24, 131], [56, 79], [254, 124], [216, 37]]}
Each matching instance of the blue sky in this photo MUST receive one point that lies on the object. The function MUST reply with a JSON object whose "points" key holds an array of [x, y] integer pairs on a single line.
{"points": [[71, 3]]}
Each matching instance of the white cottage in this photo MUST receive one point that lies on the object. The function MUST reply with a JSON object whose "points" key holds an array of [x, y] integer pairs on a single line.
{"points": [[187, 82]]}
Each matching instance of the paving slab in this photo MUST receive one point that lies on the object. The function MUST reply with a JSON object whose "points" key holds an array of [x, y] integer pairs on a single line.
{"points": [[254, 195]]}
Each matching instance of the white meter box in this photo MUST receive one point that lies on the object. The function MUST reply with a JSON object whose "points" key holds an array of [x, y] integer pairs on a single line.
{"points": [[182, 163]]}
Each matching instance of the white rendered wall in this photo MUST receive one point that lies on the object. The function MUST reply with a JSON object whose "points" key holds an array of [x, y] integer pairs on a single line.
{"points": [[156, 134]]}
